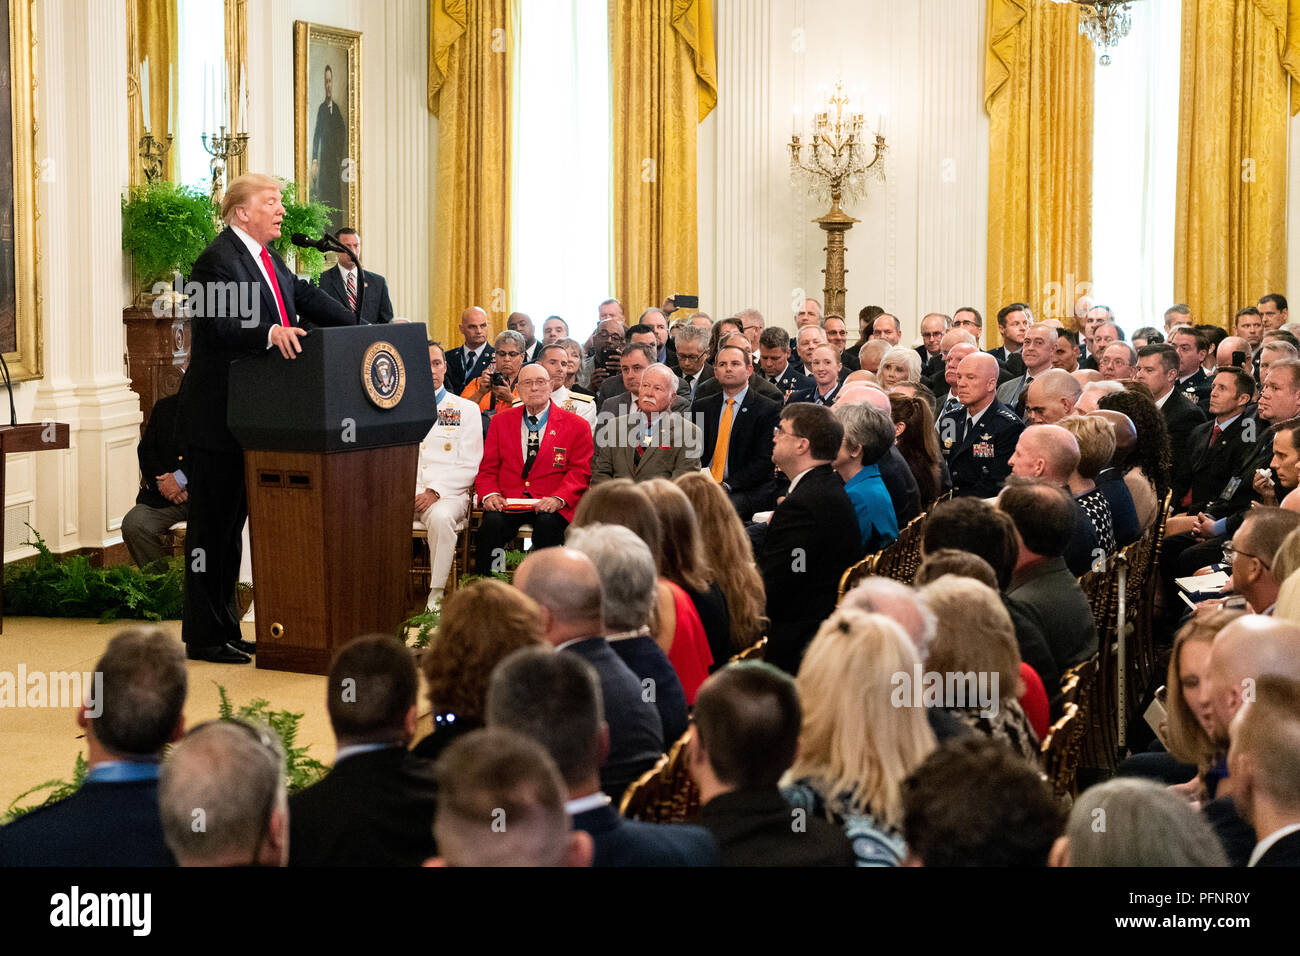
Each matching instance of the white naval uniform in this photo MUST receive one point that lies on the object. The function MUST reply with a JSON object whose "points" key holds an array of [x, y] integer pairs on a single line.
{"points": [[449, 460], [583, 405]]}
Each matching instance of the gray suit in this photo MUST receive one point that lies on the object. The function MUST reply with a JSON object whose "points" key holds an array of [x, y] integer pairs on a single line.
{"points": [[1051, 590], [623, 402], [1009, 391], [673, 448]]}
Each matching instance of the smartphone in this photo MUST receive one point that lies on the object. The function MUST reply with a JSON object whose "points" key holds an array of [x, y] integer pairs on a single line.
{"points": [[1156, 717], [604, 356], [686, 301], [1239, 359]]}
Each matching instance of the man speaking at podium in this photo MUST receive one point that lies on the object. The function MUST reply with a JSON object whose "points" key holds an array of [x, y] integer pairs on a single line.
{"points": [[250, 302]]}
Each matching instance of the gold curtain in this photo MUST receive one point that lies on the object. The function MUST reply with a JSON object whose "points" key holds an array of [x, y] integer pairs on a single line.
{"points": [[1239, 59], [1038, 94], [236, 64], [471, 52], [151, 32], [664, 79]]}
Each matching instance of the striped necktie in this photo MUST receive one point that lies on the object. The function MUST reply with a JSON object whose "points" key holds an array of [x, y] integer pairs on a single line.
{"points": [[352, 291]]}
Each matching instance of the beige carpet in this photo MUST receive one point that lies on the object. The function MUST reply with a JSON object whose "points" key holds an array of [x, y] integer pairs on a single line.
{"points": [[39, 744]]}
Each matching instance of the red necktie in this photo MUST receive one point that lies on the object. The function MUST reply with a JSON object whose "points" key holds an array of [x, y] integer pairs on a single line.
{"points": [[352, 292], [275, 286], [1214, 436]]}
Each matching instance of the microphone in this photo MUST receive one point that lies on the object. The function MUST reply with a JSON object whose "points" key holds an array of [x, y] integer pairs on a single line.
{"points": [[306, 242]]}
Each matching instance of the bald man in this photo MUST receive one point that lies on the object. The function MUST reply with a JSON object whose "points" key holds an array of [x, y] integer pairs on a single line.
{"points": [[1050, 397], [468, 361], [1246, 650], [1264, 770], [1049, 453], [979, 438], [565, 583]]}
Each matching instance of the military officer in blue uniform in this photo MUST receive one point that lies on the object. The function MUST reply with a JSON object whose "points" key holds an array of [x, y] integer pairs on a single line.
{"points": [[978, 437]]}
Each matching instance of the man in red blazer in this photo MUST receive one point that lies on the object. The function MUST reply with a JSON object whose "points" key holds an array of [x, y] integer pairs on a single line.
{"points": [[534, 450]]}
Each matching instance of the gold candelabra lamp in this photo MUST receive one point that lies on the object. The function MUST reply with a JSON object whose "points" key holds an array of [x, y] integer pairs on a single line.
{"points": [[833, 166], [222, 147], [153, 153]]}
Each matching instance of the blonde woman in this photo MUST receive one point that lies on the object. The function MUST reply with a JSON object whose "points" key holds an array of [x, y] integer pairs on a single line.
{"points": [[974, 635], [857, 746], [729, 553], [1096, 438]]}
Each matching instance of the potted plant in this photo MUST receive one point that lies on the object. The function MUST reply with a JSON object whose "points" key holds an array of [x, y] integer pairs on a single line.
{"points": [[164, 229], [310, 218]]}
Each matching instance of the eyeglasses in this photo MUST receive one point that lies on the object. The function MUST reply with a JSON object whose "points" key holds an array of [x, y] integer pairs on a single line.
{"points": [[505, 354], [1230, 552], [778, 430]]}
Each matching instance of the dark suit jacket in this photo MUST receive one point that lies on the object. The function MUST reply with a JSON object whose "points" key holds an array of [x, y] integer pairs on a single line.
{"points": [[901, 485], [684, 389], [457, 375], [980, 464], [809, 394], [1123, 513], [1219, 475], [1181, 416], [812, 538], [753, 828], [1285, 852], [372, 809], [622, 842], [1197, 390], [756, 383], [636, 735], [792, 381], [647, 661], [376, 307], [749, 450], [160, 450], [221, 332], [1054, 593], [102, 824]]}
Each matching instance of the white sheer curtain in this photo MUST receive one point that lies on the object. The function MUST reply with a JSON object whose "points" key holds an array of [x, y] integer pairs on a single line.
{"points": [[198, 21], [561, 225], [1135, 168]]}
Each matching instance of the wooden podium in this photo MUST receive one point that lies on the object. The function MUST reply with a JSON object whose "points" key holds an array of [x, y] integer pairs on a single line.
{"points": [[32, 436], [331, 443]]}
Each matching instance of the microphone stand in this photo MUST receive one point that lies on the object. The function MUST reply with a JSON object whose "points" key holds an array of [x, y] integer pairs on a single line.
{"points": [[361, 275]]}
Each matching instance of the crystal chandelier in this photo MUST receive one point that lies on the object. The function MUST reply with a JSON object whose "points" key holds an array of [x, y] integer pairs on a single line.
{"points": [[1104, 22]]}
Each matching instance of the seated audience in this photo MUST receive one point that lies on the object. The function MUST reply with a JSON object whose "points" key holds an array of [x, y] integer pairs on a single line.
{"points": [[1043, 515], [482, 624], [1262, 760], [495, 388], [112, 819], [1050, 397], [868, 437], [738, 424], [1145, 825], [682, 562], [375, 807], [899, 365], [1250, 552], [676, 625], [973, 802], [555, 359], [728, 552], [856, 747], [230, 777], [1049, 453], [974, 638], [629, 587], [894, 469], [449, 459], [649, 440], [493, 776], [747, 719], [1096, 440], [554, 699], [824, 367], [813, 535], [1110, 480], [1146, 472], [567, 586], [918, 442], [980, 436]]}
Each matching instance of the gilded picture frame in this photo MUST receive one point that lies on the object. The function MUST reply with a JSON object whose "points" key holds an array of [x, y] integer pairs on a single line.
{"points": [[20, 300], [327, 119]]}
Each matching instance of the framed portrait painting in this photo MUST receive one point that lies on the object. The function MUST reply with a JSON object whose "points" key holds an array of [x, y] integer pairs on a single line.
{"points": [[327, 119], [20, 329]]}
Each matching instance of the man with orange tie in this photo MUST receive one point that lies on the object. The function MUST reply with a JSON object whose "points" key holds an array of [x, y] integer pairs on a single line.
{"points": [[738, 428], [534, 451], [250, 303]]}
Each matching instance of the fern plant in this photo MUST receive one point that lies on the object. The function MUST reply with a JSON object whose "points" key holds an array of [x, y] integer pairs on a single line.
{"points": [[301, 769], [58, 790], [310, 218], [164, 228]]}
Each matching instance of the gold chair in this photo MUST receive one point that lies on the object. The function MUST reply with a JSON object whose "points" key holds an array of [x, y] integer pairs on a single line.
{"points": [[901, 559], [1061, 751], [665, 793], [856, 573]]}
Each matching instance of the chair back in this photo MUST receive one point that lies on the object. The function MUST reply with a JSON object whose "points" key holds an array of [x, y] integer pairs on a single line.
{"points": [[665, 793]]}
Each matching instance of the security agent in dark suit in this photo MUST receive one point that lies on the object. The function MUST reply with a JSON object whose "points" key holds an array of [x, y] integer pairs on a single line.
{"points": [[367, 291], [113, 819], [742, 463], [813, 534], [555, 699], [747, 720], [467, 362], [250, 302], [979, 438], [162, 500], [375, 807], [1214, 475]]}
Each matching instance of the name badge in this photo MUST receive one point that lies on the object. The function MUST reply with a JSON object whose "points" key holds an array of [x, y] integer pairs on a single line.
{"points": [[1230, 489], [983, 449]]}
